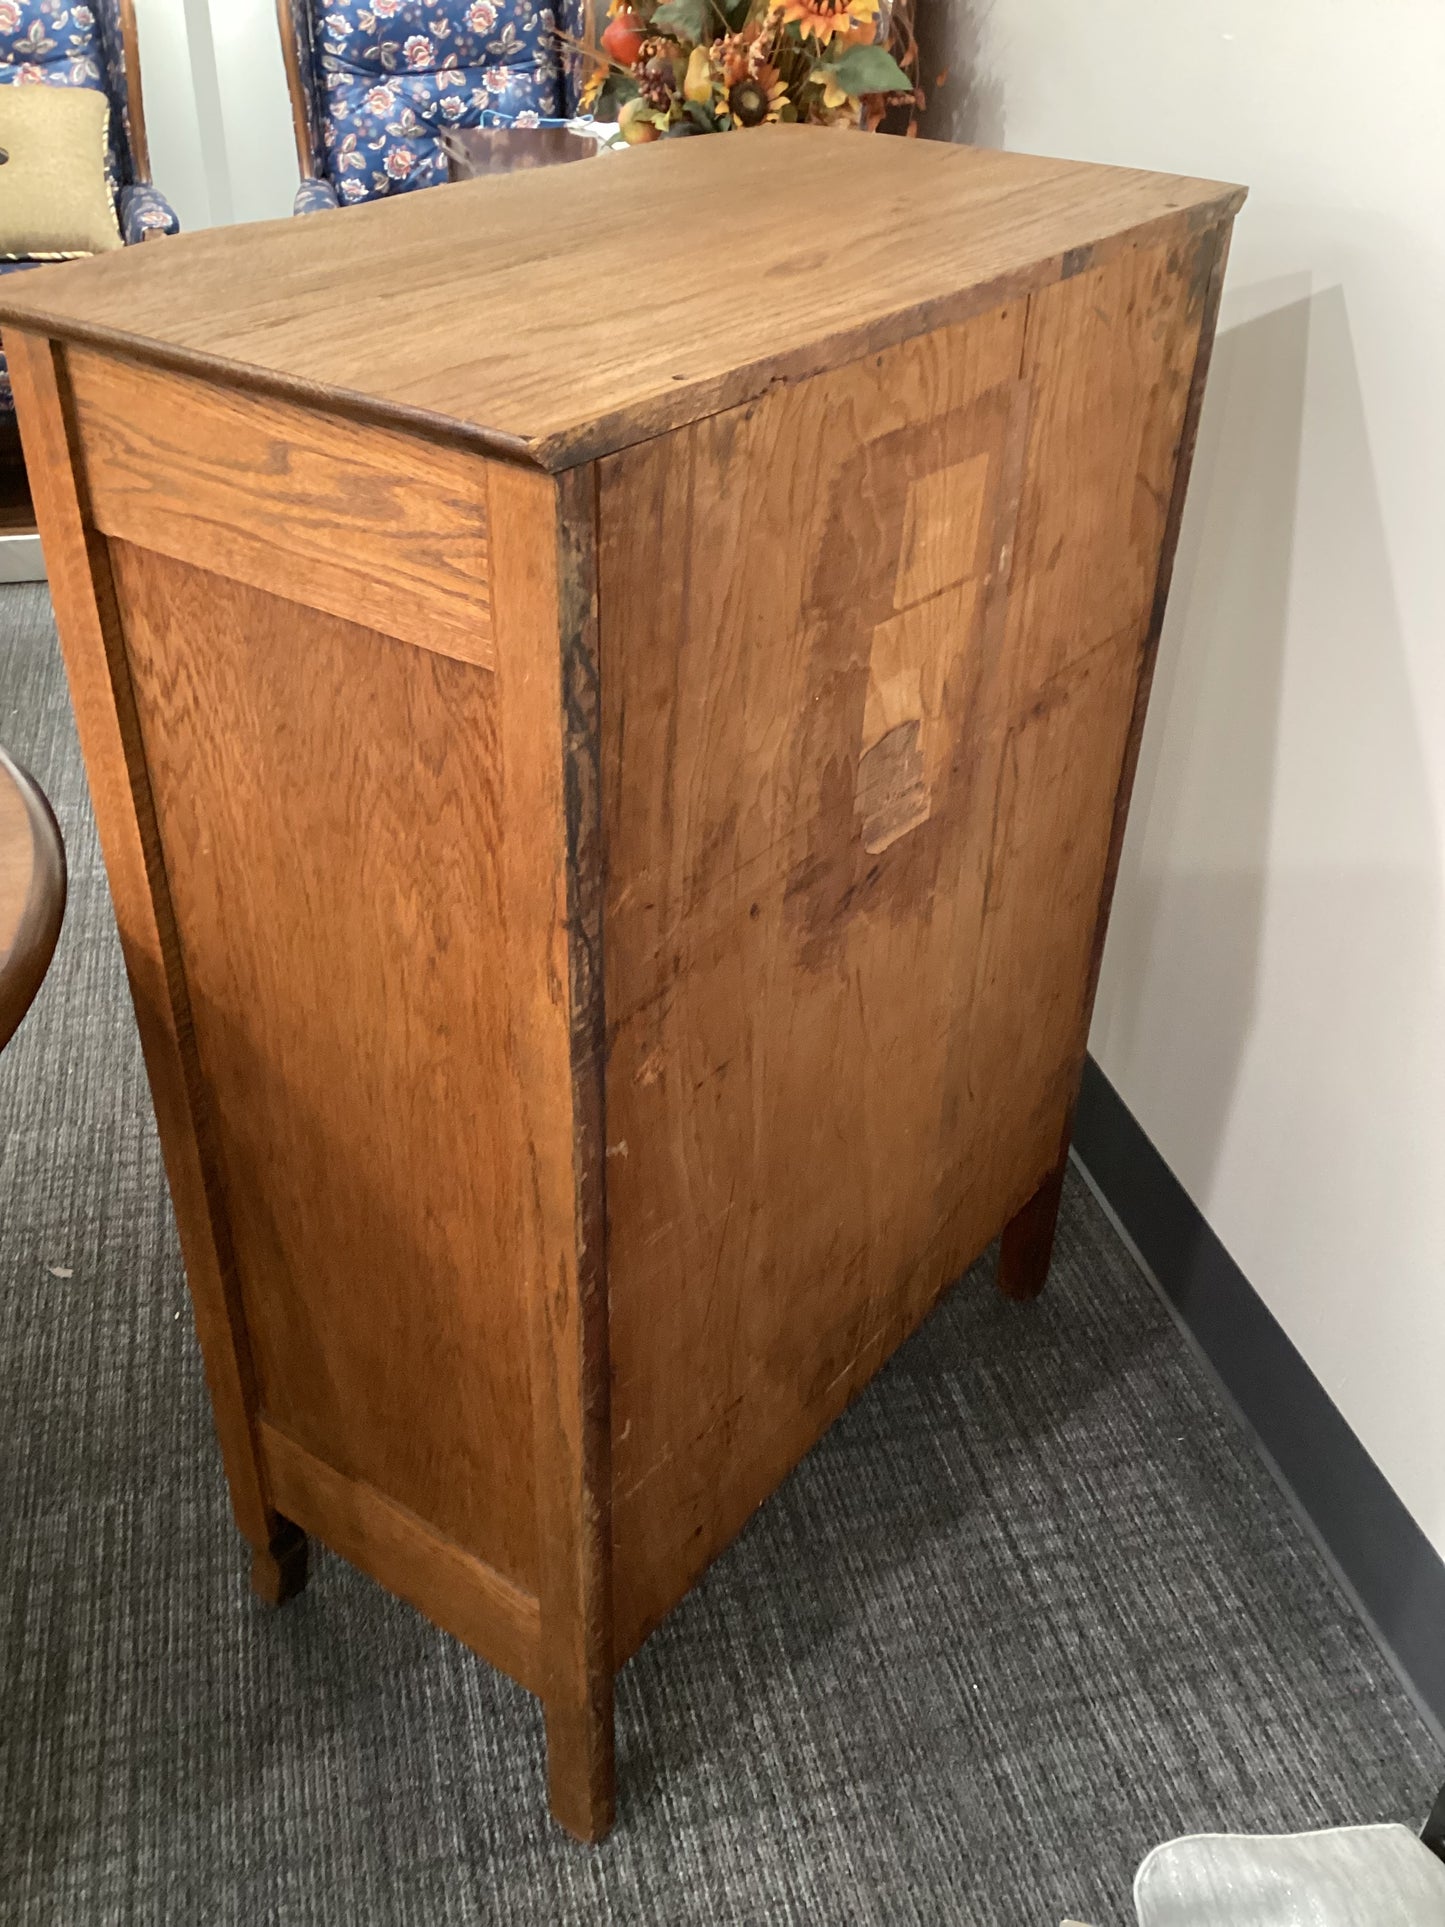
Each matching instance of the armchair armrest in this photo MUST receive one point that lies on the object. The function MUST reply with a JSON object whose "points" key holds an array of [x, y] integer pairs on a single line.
{"points": [[143, 211], [314, 196]]}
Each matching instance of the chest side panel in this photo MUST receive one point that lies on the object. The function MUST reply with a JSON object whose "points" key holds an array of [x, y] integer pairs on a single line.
{"points": [[332, 808], [383, 529]]}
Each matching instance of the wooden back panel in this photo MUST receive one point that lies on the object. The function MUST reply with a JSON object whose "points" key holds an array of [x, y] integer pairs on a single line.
{"points": [[870, 650]]}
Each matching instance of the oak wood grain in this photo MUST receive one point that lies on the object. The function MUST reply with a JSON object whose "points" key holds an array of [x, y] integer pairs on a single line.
{"points": [[289, 500], [861, 763], [1112, 352], [101, 694], [333, 856], [546, 603], [457, 1591], [461, 305], [787, 1124]]}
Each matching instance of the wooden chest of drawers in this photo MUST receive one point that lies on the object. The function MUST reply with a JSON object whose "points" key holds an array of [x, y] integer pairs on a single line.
{"points": [[610, 697]]}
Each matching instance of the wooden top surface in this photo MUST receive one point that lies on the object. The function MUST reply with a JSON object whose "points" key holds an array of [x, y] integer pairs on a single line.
{"points": [[556, 314]]}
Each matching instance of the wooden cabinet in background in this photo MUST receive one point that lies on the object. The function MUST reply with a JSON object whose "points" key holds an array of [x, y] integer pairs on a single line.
{"points": [[610, 696]]}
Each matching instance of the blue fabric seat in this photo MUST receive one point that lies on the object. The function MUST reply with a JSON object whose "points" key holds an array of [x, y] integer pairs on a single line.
{"points": [[374, 84], [54, 44]]}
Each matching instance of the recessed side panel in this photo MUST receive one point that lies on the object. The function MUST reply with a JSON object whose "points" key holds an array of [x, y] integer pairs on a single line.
{"points": [[870, 650], [329, 802], [288, 499]]}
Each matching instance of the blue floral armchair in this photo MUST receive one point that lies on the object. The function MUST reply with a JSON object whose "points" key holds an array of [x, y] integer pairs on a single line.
{"points": [[374, 83], [88, 45]]}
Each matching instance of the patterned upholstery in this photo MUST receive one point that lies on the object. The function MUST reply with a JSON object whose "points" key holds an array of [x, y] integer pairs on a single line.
{"points": [[144, 210], [383, 78], [314, 196], [62, 45]]}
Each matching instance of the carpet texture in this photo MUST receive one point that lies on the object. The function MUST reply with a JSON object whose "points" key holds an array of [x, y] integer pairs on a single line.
{"points": [[1030, 1608]]}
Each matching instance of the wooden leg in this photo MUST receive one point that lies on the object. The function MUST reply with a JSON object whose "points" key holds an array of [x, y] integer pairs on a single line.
{"points": [[278, 1570], [1027, 1243], [581, 1787]]}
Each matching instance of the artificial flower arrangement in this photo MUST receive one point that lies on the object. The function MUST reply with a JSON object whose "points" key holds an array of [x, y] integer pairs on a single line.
{"points": [[669, 67]]}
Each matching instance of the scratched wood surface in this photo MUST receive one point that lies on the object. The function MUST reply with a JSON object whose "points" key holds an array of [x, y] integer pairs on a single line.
{"points": [[861, 757], [332, 856], [462, 305], [546, 620]]}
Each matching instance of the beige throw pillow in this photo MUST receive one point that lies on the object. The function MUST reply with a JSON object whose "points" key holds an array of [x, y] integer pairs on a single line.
{"points": [[55, 200]]}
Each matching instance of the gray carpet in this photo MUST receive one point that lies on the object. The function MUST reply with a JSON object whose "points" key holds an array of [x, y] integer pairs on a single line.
{"points": [[1030, 1608]]}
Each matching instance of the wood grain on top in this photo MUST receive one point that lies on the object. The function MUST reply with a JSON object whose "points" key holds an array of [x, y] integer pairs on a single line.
{"points": [[563, 313]]}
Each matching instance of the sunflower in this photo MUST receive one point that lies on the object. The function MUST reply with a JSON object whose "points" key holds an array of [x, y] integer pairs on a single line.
{"points": [[757, 98], [825, 19]]}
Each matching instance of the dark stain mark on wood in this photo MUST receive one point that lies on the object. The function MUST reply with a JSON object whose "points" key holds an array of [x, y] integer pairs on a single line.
{"points": [[896, 793], [1202, 274]]}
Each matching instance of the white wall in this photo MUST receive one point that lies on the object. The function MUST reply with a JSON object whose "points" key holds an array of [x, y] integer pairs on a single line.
{"points": [[173, 120], [260, 147], [217, 110], [1272, 1006]]}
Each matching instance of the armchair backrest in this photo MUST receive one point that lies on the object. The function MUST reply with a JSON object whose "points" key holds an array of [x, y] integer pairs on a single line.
{"points": [[89, 44], [375, 82]]}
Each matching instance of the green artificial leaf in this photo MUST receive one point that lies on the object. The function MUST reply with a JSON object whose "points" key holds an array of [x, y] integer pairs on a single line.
{"points": [[616, 91], [870, 70], [695, 111], [687, 20], [735, 13]]}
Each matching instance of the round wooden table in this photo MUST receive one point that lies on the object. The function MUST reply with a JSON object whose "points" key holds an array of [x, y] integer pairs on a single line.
{"points": [[32, 892]]}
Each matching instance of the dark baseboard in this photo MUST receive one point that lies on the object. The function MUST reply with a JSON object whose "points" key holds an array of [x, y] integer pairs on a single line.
{"points": [[1396, 1576]]}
